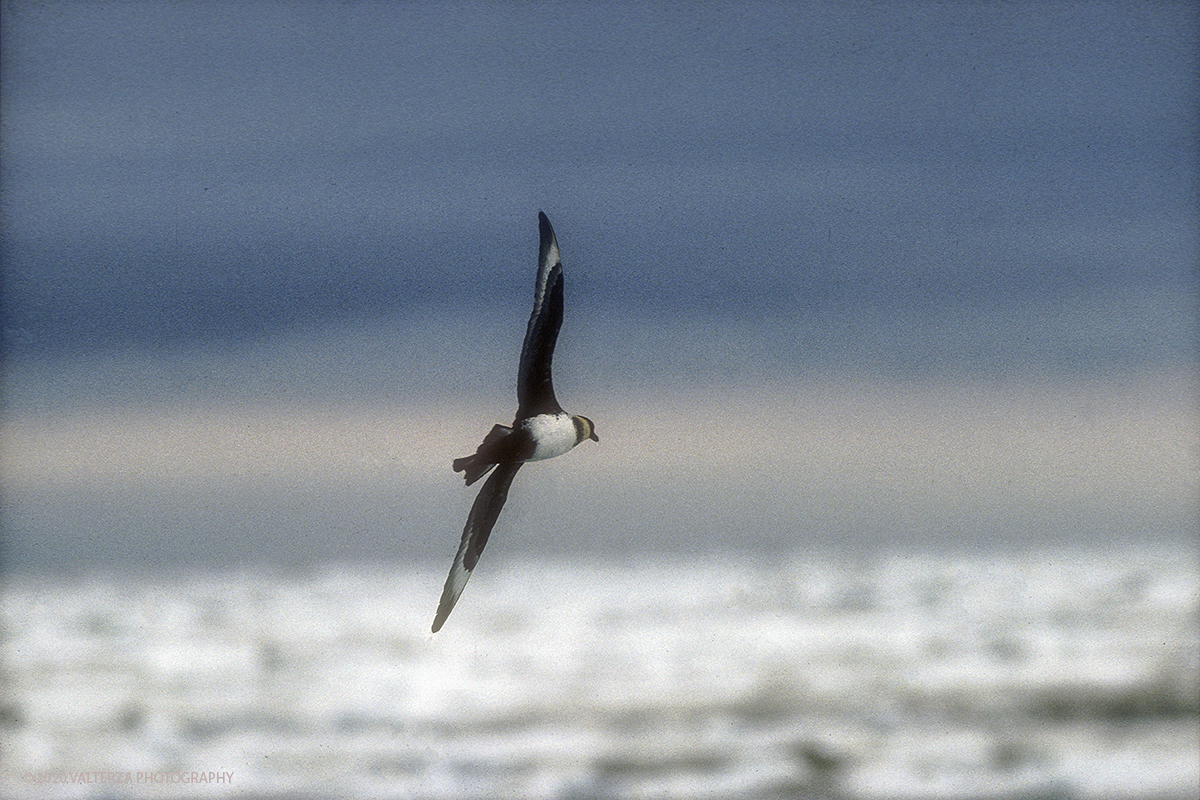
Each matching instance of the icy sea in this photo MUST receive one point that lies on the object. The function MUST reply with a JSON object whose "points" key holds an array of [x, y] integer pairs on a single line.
{"points": [[1049, 675]]}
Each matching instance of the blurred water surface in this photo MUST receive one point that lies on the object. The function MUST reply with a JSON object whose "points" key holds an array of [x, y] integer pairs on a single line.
{"points": [[1062, 673]]}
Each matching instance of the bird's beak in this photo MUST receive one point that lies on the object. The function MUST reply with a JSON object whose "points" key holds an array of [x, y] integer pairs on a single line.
{"points": [[594, 437]]}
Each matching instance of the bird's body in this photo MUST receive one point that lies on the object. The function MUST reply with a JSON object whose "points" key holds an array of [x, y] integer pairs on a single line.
{"points": [[554, 434], [540, 430]]}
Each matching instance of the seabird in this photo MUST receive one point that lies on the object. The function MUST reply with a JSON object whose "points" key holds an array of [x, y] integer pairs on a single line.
{"points": [[540, 430]]}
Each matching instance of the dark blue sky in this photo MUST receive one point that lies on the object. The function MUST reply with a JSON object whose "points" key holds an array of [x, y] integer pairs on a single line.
{"points": [[175, 173], [838, 275]]}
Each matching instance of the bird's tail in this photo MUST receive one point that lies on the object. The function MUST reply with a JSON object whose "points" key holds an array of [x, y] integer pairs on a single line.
{"points": [[472, 468], [480, 463]]}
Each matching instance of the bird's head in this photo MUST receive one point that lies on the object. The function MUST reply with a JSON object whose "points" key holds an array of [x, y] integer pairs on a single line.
{"points": [[584, 429]]}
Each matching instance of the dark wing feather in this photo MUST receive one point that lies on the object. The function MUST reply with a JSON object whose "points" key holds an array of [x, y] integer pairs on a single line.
{"points": [[480, 522], [535, 390]]}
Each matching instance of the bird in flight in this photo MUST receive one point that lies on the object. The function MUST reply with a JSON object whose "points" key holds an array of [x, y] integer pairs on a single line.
{"points": [[540, 430]]}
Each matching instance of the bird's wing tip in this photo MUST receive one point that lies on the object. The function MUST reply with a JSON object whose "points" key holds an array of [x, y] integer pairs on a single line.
{"points": [[443, 613]]}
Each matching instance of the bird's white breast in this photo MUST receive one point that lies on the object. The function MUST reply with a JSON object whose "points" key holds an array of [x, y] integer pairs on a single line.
{"points": [[553, 435]]}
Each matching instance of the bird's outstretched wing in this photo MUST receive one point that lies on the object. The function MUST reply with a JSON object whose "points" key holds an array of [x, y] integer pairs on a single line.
{"points": [[535, 390], [479, 526]]}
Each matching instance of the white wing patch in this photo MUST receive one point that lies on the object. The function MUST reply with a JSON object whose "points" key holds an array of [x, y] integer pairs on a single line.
{"points": [[552, 259], [455, 583], [549, 259]]}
